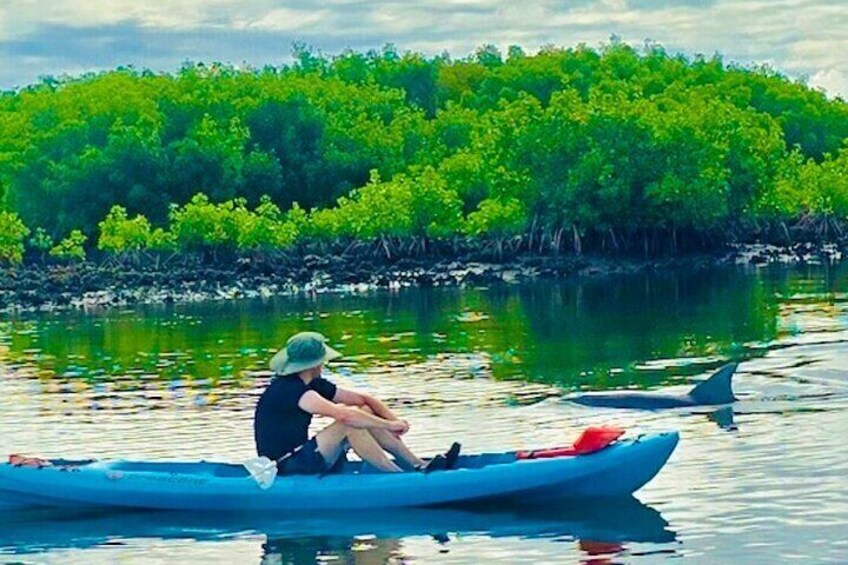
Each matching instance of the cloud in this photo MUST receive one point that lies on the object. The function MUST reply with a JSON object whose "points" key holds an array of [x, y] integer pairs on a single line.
{"points": [[285, 19], [803, 38], [831, 81], [169, 14]]}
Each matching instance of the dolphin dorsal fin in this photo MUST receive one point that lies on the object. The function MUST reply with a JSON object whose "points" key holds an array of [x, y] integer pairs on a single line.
{"points": [[716, 389]]}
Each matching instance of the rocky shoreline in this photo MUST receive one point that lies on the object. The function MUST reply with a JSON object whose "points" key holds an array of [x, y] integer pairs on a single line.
{"points": [[37, 287]]}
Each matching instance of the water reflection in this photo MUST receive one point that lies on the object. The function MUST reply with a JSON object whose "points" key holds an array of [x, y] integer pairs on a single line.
{"points": [[589, 528], [586, 334], [487, 367], [365, 550], [723, 417]]}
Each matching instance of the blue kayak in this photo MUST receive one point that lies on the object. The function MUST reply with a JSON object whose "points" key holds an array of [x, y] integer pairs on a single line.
{"points": [[618, 470]]}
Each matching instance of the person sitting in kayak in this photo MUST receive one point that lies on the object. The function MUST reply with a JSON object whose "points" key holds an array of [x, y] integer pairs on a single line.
{"points": [[362, 422]]}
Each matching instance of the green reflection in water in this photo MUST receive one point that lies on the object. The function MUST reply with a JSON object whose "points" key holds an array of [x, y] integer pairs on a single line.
{"points": [[590, 333]]}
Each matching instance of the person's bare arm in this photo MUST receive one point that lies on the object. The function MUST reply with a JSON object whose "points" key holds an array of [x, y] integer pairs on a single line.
{"points": [[356, 398], [314, 403]]}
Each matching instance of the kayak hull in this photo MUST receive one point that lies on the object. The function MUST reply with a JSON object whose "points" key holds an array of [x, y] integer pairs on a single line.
{"points": [[619, 470]]}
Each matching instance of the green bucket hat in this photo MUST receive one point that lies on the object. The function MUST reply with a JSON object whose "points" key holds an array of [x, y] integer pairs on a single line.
{"points": [[303, 351]]}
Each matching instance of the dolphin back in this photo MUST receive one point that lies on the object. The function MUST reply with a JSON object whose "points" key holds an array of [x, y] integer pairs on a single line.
{"points": [[634, 400], [716, 389]]}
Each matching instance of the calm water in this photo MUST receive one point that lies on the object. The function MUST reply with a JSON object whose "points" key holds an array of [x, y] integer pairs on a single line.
{"points": [[765, 482]]}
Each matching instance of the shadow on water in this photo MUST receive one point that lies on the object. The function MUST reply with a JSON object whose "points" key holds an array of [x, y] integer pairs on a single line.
{"points": [[608, 527]]}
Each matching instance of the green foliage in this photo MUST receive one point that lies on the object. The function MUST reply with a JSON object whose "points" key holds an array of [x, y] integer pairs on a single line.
{"points": [[326, 224], [201, 224], [817, 188], [265, 228], [408, 205], [12, 235], [502, 218], [162, 240], [594, 141], [298, 219], [119, 234], [41, 240], [71, 248]]}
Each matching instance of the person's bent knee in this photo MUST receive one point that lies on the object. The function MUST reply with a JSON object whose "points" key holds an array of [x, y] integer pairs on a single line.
{"points": [[346, 430]]}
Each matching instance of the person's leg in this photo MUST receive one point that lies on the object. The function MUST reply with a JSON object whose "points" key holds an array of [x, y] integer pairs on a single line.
{"points": [[331, 442], [394, 445], [364, 444]]}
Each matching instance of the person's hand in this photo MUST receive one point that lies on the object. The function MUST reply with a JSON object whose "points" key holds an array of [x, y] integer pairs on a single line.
{"points": [[399, 427]]}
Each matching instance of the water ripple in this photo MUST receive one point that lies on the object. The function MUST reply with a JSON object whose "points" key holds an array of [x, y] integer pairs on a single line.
{"points": [[762, 481]]}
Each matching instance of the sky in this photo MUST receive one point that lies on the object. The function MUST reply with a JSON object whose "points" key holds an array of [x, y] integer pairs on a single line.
{"points": [[803, 39]]}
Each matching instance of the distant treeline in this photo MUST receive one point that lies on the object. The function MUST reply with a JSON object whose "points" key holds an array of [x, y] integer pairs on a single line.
{"points": [[612, 148]]}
